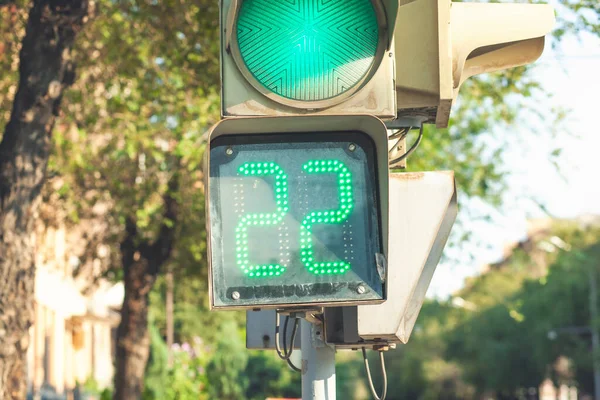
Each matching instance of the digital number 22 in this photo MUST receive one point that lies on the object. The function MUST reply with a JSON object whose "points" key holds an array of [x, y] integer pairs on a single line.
{"points": [[340, 215]]}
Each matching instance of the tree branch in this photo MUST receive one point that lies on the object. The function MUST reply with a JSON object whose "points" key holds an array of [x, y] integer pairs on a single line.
{"points": [[128, 245], [45, 71]]}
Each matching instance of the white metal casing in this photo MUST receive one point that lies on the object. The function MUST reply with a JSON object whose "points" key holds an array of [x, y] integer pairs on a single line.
{"points": [[367, 124], [260, 330], [439, 44], [376, 97], [423, 209]]}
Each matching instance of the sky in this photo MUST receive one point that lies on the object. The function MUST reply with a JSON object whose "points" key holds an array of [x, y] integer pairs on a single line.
{"points": [[571, 75]]}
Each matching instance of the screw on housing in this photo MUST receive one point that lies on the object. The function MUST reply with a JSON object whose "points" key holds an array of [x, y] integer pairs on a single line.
{"points": [[361, 289], [229, 151], [351, 147], [235, 295]]}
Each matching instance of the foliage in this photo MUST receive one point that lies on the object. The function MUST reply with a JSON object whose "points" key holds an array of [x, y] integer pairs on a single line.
{"points": [[504, 344], [420, 369], [270, 377], [495, 342], [584, 16], [92, 388], [349, 371], [191, 315], [486, 105], [226, 370], [185, 379], [157, 367]]}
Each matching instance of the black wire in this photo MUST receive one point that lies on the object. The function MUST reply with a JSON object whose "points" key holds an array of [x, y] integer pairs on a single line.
{"points": [[395, 146], [281, 354], [292, 366], [294, 333], [410, 151], [292, 341], [285, 349], [370, 379], [400, 133], [285, 355]]}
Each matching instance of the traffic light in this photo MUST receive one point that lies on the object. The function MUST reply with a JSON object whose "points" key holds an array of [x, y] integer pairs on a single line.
{"points": [[297, 174], [307, 57], [439, 44], [297, 211]]}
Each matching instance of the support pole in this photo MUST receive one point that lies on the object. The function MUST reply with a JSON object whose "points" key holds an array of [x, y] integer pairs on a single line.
{"points": [[318, 364]]}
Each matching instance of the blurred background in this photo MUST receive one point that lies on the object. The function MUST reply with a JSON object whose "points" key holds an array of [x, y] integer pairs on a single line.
{"points": [[511, 309]]}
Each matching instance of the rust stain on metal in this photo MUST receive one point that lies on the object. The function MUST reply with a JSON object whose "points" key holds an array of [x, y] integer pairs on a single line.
{"points": [[413, 176], [372, 100], [409, 176]]}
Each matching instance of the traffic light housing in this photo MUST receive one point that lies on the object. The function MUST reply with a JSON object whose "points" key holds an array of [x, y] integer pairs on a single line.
{"points": [[439, 44], [297, 211], [307, 57], [321, 77], [422, 213]]}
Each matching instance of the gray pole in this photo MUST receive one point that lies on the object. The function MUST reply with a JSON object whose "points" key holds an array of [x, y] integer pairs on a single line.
{"points": [[594, 328], [318, 364]]}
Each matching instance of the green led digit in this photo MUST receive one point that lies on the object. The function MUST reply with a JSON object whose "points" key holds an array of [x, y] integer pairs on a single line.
{"points": [[261, 219], [338, 216]]}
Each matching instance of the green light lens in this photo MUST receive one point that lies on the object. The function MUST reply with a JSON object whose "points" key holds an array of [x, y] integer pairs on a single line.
{"points": [[308, 50]]}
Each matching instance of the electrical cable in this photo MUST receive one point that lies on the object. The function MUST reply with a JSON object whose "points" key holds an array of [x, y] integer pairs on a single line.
{"points": [[395, 161], [292, 366], [281, 354], [370, 379], [292, 341], [285, 354], [400, 138], [400, 133], [292, 338]]}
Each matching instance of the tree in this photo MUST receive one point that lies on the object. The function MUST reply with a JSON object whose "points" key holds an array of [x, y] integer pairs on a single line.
{"points": [[269, 378], [46, 69], [142, 261], [499, 346], [225, 372], [133, 140], [503, 345]]}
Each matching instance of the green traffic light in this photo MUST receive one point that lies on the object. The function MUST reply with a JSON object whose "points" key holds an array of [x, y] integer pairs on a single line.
{"points": [[308, 50]]}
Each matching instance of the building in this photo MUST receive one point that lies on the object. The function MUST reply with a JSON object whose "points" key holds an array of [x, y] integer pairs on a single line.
{"points": [[72, 338]]}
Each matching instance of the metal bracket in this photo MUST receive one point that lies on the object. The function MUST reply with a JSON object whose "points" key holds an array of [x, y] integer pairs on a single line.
{"points": [[314, 315], [408, 121]]}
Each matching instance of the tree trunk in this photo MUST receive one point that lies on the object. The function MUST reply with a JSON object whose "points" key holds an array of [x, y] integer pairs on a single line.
{"points": [[45, 70], [141, 263], [133, 340]]}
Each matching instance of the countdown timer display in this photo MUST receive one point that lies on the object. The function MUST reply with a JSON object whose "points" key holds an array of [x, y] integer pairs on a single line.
{"points": [[294, 222]]}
